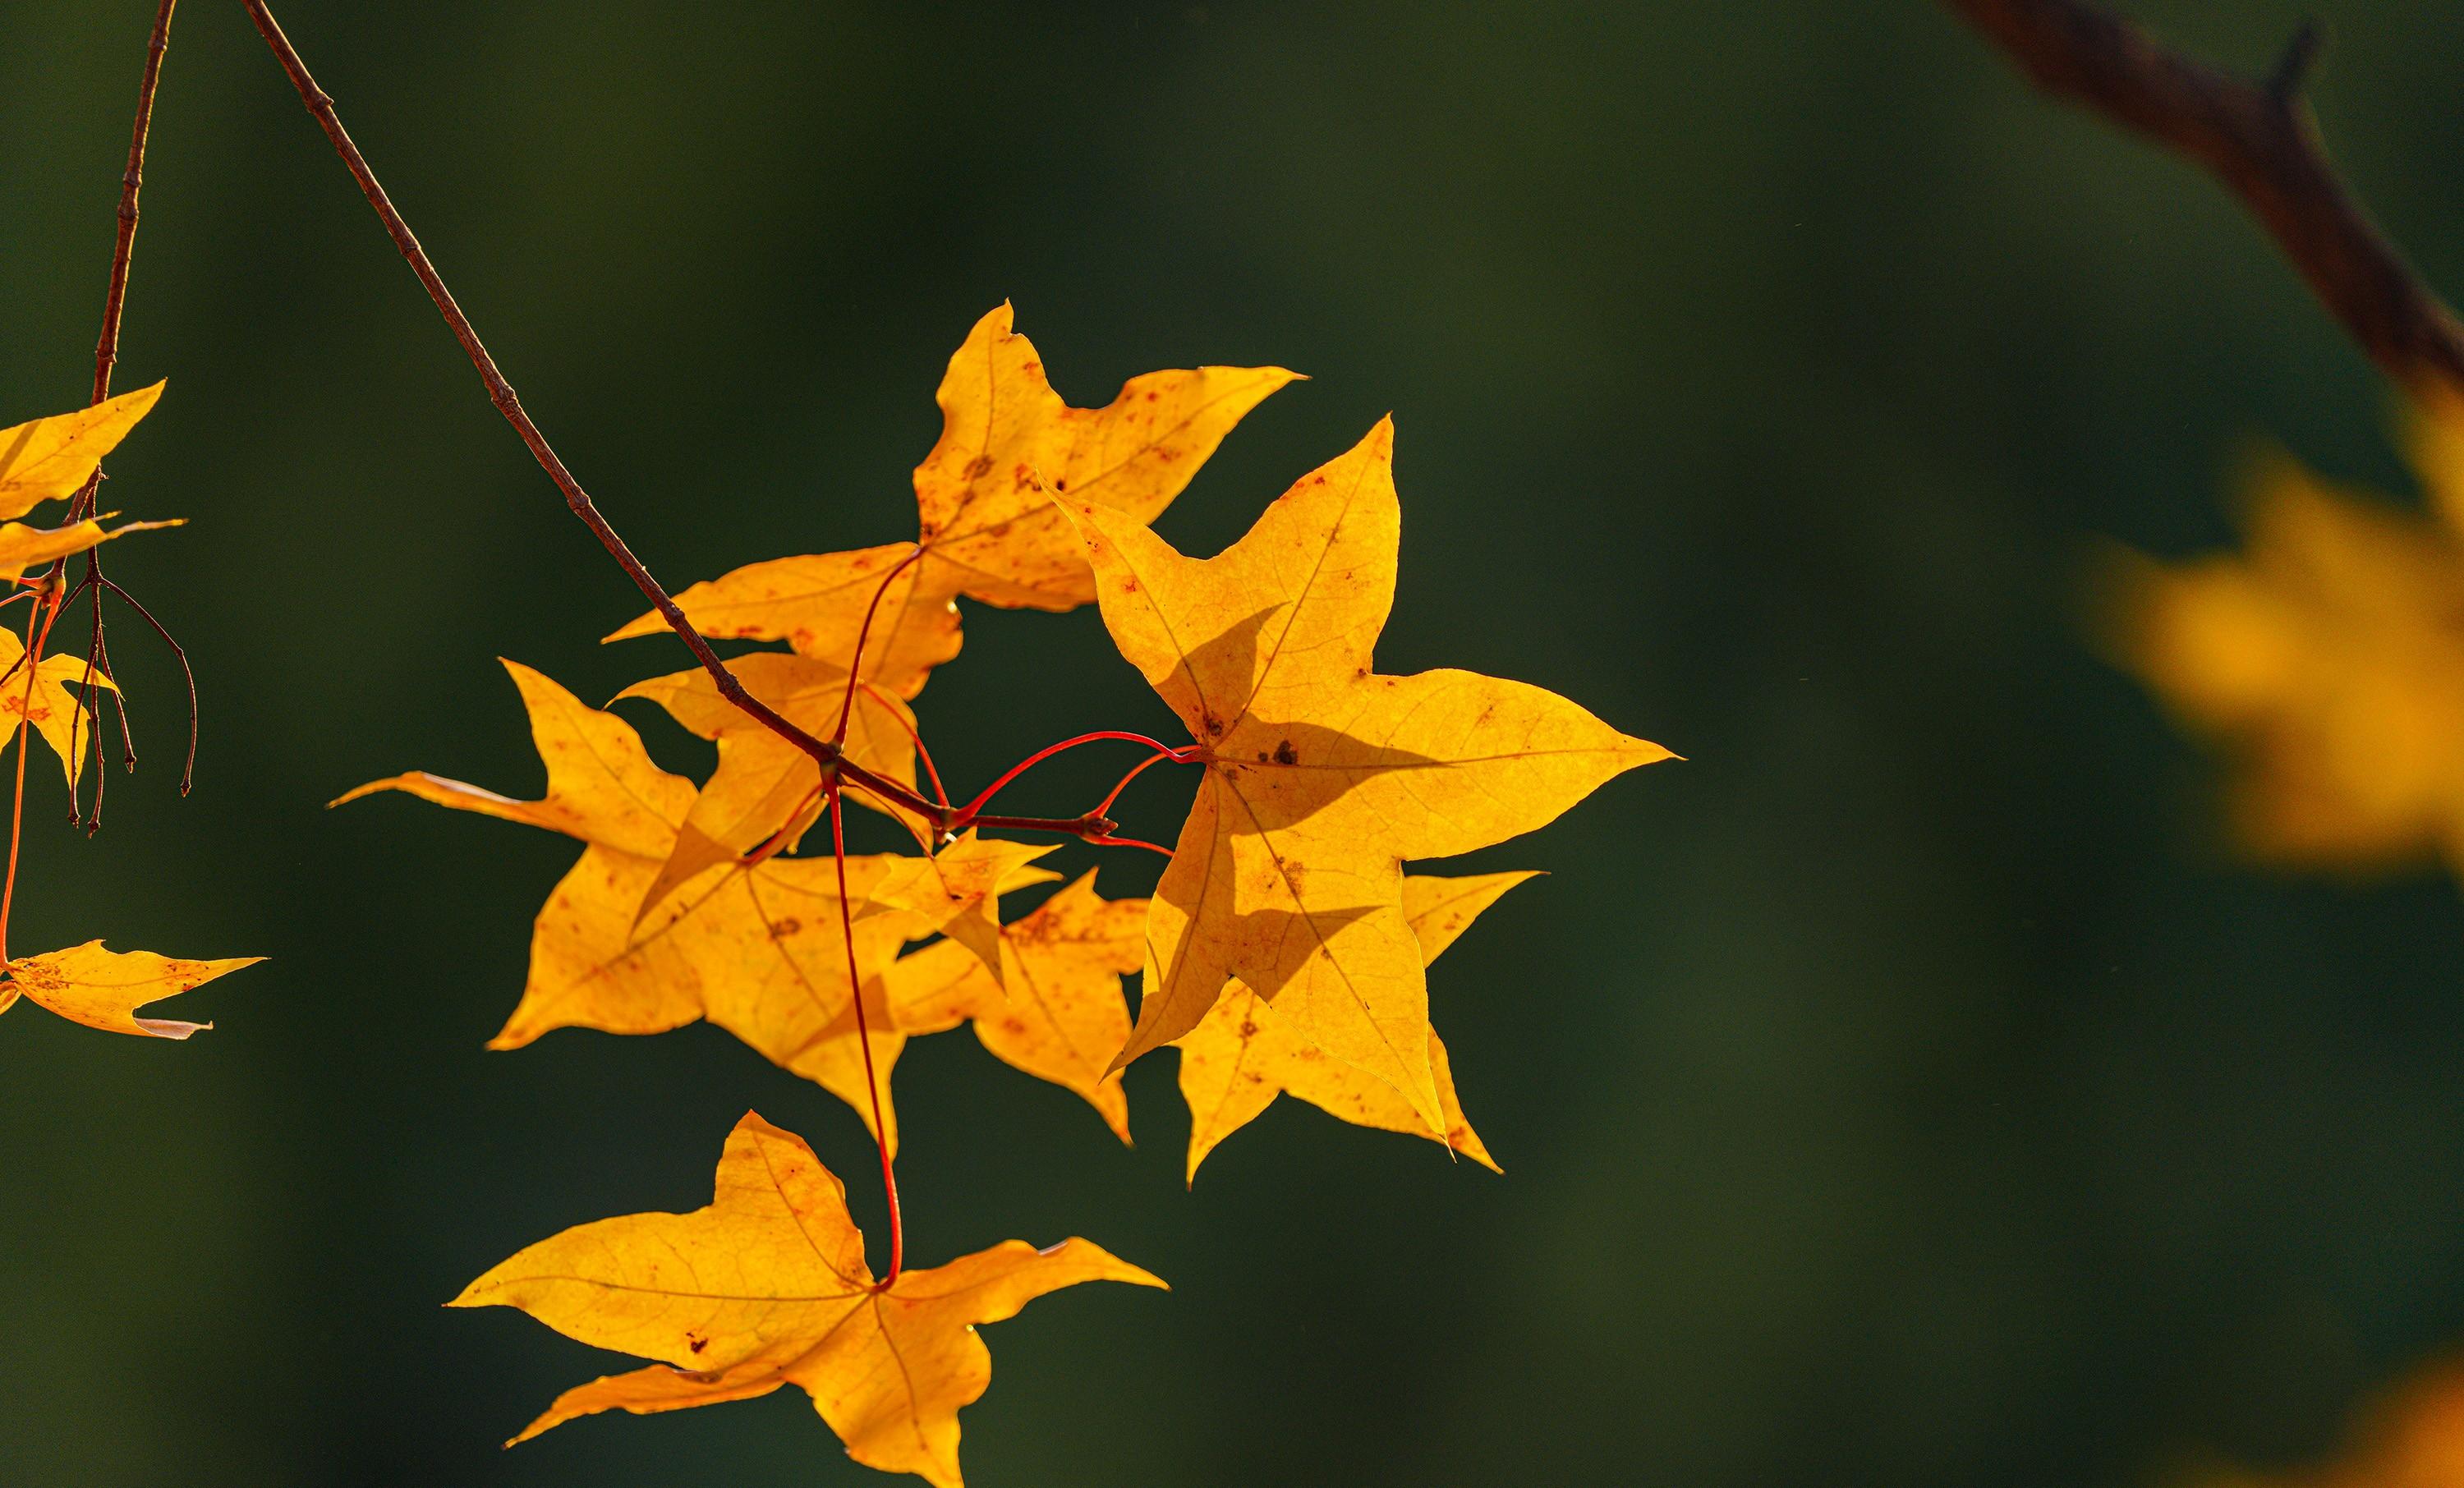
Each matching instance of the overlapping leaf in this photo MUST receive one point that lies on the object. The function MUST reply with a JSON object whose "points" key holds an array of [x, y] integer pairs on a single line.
{"points": [[1243, 1053], [764, 786], [23, 547], [1322, 776], [758, 949], [957, 891], [768, 1287], [44, 701], [1056, 1011], [986, 529]]}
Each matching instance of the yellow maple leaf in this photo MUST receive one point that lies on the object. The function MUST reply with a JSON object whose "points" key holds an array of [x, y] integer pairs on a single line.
{"points": [[818, 604], [104, 989], [2326, 657], [22, 547], [764, 786], [756, 950], [44, 701], [1057, 1011], [1243, 1053], [48, 459], [957, 891], [1322, 776], [986, 529], [768, 1287]]}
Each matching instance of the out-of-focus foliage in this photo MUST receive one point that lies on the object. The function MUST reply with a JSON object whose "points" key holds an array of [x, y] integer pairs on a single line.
{"points": [[2412, 1436], [2328, 657]]}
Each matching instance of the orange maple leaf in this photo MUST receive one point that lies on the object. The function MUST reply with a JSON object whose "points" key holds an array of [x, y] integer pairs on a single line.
{"points": [[986, 529], [768, 1287], [1057, 1011], [1322, 777], [757, 949], [45, 702], [104, 989], [1244, 1053], [765, 788], [49, 459], [957, 891]]}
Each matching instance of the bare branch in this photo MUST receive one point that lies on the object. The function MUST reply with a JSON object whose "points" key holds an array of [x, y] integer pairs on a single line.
{"points": [[501, 393], [2260, 140], [835, 767]]}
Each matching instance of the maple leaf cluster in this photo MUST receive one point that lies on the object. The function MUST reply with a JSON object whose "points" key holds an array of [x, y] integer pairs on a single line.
{"points": [[57, 459], [1284, 951]]}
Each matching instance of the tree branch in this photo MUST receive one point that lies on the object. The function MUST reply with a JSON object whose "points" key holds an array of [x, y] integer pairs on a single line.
{"points": [[106, 349], [2261, 141], [836, 768], [106, 355], [500, 392]]}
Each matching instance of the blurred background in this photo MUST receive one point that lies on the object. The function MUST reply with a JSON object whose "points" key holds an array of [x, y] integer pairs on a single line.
{"points": [[1912, 1087]]}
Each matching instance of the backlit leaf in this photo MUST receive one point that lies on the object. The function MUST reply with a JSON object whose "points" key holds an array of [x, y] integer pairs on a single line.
{"points": [[768, 1287], [1243, 1053], [48, 459], [1322, 777], [104, 989]]}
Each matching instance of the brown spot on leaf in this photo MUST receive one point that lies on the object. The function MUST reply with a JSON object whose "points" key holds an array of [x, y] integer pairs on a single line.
{"points": [[1286, 754]]}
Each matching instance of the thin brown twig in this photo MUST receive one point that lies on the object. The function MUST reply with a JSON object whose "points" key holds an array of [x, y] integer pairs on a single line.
{"points": [[835, 766], [114, 297], [2261, 141], [321, 106], [97, 662], [106, 355], [188, 673]]}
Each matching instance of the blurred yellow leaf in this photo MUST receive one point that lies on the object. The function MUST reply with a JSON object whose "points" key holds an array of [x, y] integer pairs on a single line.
{"points": [[768, 1287], [2411, 1437], [2327, 656]]}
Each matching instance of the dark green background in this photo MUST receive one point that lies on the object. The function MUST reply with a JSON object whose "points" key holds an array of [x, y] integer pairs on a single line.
{"points": [[1910, 1088]]}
